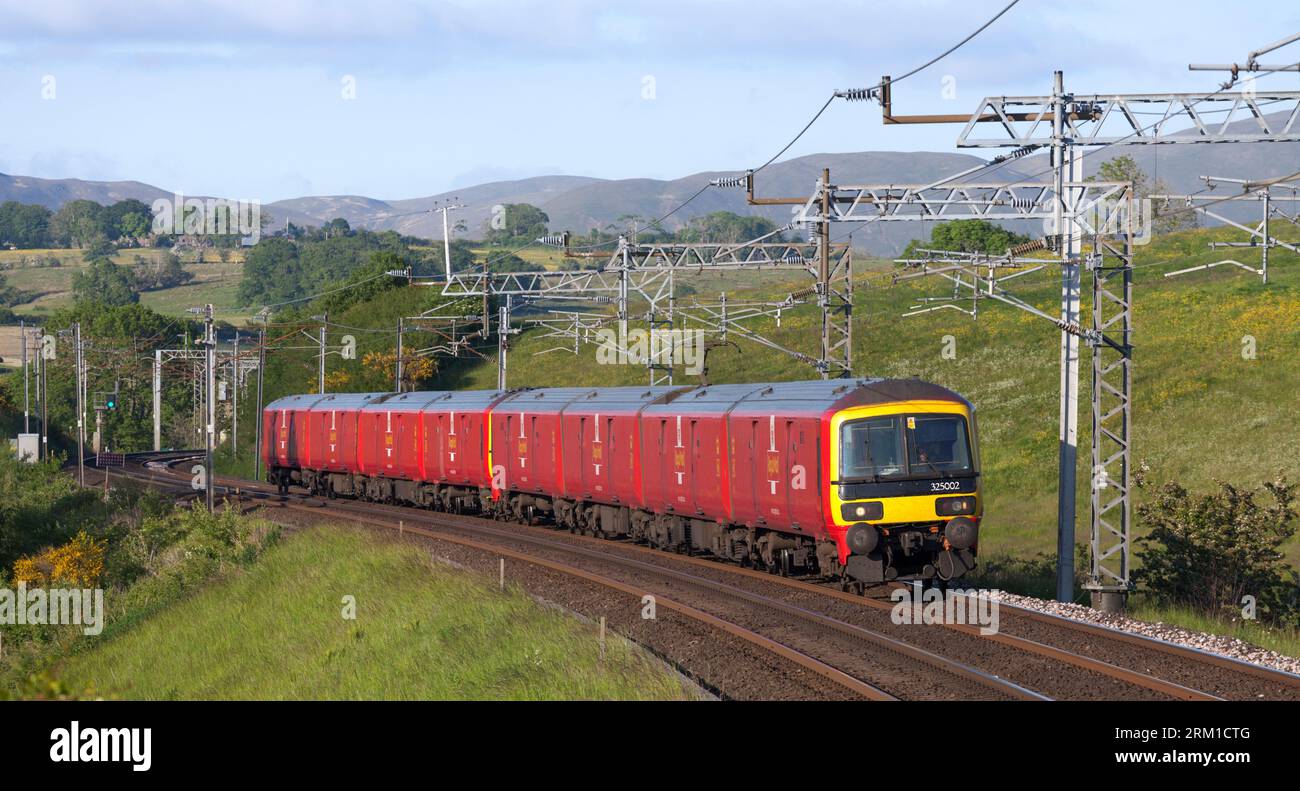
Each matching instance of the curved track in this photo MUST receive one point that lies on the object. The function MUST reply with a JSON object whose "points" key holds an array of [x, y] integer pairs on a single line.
{"points": [[846, 640]]}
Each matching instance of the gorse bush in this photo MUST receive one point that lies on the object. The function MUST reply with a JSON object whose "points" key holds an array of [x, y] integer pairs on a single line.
{"points": [[139, 547], [1210, 551], [78, 563]]}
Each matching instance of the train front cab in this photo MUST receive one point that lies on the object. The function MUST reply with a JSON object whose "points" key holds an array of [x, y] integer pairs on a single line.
{"points": [[905, 498]]}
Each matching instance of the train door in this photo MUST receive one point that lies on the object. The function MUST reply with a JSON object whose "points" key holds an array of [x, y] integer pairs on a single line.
{"points": [[803, 473]]}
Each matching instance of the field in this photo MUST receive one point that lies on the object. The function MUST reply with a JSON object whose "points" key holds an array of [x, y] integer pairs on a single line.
{"points": [[214, 281], [422, 631]]}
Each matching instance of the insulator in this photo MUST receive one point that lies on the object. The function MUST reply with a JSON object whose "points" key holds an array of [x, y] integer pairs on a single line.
{"points": [[1017, 154], [1028, 247], [731, 181], [1023, 203], [554, 240], [793, 257], [857, 94]]}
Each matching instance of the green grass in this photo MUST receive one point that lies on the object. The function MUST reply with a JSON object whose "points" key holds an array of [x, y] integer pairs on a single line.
{"points": [[213, 282], [422, 631]]}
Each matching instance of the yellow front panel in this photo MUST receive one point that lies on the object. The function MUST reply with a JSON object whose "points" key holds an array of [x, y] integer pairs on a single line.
{"points": [[914, 508]]}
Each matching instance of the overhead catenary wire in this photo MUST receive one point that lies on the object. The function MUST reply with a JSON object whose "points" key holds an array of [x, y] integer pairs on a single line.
{"points": [[817, 116]]}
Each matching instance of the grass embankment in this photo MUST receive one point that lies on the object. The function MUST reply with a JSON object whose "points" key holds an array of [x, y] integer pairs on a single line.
{"points": [[422, 631]]}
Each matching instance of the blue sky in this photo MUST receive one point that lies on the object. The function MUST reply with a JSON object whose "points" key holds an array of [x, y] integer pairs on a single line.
{"points": [[246, 98]]}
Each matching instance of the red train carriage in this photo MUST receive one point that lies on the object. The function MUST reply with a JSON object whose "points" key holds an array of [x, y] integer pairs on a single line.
{"points": [[869, 480], [601, 438]]}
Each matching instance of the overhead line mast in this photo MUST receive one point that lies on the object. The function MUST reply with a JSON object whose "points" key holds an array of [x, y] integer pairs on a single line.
{"points": [[1065, 122]]}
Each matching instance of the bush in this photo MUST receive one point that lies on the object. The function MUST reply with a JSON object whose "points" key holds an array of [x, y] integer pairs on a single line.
{"points": [[1210, 551], [78, 564]]}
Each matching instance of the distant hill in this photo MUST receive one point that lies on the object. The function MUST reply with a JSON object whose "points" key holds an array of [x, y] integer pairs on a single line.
{"points": [[53, 193], [580, 203]]}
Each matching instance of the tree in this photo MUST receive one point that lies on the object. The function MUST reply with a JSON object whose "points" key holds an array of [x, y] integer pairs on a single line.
{"points": [[365, 283], [103, 283], [726, 227], [509, 262], [79, 223], [128, 219], [514, 222], [337, 227], [161, 272], [967, 236], [1211, 550], [100, 248], [24, 225], [1164, 218], [270, 272]]}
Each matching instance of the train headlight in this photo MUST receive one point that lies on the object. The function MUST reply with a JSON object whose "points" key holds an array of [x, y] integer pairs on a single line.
{"points": [[954, 506], [862, 512], [962, 533], [862, 538]]}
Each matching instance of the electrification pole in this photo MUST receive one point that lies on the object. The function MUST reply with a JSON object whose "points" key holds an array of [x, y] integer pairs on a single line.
{"points": [[446, 235], [210, 343], [324, 320], [261, 364], [398, 383], [503, 342], [157, 400], [81, 418], [27, 405], [44, 393], [234, 404]]}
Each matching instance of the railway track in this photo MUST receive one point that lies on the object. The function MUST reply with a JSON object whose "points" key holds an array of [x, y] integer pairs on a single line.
{"points": [[844, 639]]}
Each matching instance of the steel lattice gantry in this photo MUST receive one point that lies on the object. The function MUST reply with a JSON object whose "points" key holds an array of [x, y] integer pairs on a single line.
{"points": [[650, 271], [1268, 194], [241, 364], [1104, 119]]}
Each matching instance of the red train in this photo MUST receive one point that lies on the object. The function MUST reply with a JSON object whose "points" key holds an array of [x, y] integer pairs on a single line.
{"points": [[866, 480]]}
